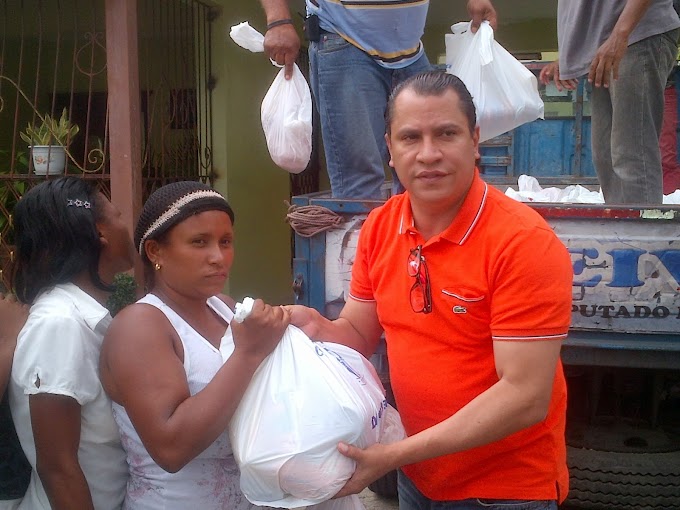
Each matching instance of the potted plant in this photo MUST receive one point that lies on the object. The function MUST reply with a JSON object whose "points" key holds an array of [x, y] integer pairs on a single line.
{"points": [[48, 141]]}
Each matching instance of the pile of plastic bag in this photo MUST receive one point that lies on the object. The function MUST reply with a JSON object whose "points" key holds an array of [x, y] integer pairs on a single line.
{"points": [[529, 190]]}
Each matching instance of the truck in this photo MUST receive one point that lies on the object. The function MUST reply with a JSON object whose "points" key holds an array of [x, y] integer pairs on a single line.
{"points": [[622, 356]]}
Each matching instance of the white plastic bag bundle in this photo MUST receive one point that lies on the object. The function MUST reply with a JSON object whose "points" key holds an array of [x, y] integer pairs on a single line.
{"points": [[303, 399], [505, 92], [287, 121], [286, 111]]}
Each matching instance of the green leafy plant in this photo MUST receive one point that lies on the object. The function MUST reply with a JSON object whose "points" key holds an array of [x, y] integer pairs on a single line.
{"points": [[124, 293], [11, 190], [51, 131]]}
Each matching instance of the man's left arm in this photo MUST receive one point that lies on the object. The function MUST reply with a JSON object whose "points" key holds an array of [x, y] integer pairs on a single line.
{"points": [[605, 65], [529, 319], [518, 400]]}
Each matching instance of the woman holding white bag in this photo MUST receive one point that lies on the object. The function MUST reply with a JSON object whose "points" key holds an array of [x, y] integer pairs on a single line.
{"points": [[173, 393]]}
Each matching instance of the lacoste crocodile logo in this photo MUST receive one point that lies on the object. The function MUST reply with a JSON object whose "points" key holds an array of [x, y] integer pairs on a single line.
{"points": [[459, 309]]}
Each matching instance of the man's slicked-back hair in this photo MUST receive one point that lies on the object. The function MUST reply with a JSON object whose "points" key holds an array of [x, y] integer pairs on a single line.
{"points": [[433, 83], [56, 236]]}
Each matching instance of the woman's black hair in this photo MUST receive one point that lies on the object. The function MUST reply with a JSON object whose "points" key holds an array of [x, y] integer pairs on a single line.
{"points": [[56, 236]]}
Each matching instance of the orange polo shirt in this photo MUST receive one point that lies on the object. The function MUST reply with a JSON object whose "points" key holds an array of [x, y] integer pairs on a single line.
{"points": [[498, 273]]}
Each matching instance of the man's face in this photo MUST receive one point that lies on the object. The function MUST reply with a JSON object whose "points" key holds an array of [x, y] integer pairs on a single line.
{"points": [[431, 148]]}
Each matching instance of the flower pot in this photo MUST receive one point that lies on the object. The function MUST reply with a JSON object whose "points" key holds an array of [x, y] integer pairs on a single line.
{"points": [[48, 159]]}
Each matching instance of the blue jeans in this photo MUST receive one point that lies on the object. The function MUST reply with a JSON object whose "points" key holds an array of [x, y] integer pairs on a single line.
{"points": [[626, 123], [410, 498], [351, 91]]}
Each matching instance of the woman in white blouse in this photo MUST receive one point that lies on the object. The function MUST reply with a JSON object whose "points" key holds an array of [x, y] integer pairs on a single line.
{"points": [[71, 241]]}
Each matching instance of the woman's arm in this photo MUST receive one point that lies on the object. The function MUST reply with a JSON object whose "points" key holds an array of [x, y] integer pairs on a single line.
{"points": [[141, 370], [57, 451], [12, 318]]}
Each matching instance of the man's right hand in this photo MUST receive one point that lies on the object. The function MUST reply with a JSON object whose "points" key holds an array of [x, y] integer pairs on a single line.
{"points": [[282, 44], [551, 72]]}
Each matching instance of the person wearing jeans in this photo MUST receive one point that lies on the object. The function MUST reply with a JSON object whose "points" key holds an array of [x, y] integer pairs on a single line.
{"points": [[626, 122], [351, 94], [627, 49], [358, 52]]}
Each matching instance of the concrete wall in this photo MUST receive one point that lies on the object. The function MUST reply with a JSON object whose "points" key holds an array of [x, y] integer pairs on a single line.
{"points": [[253, 185]]}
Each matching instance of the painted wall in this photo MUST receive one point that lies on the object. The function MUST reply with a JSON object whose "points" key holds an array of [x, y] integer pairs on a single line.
{"points": [[255, 187]]}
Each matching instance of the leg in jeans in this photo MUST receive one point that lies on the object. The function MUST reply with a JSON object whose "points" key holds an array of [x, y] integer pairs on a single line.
{"points": [[410, 498], [351, 91], [636, 103], [601, 140]]}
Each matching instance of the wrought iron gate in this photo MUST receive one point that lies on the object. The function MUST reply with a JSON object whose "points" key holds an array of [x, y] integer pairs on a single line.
{"points": [[53, 57]]}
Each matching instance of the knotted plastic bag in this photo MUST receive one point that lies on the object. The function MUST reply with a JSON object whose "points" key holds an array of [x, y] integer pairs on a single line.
{"points": [[303, 399], [505, 92], [286, 112]]}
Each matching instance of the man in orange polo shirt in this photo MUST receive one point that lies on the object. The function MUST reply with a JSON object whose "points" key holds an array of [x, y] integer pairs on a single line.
{"points": [[473, 293]]}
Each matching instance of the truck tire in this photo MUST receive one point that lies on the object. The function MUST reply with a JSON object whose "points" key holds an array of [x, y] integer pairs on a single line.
{"points": [[386, 486], [623, 481]]}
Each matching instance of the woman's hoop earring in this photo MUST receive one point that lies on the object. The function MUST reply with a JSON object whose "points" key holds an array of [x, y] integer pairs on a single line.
{"points": [[157, 266]]}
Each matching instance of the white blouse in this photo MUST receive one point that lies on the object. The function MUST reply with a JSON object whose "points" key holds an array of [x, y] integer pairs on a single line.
{"points": [[58, 353], [211, 480]]}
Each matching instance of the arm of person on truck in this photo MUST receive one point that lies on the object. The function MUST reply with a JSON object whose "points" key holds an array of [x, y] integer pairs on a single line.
{"points": [[551, 72], [281, 42], [605, 65], [356, 327], [518, 400], [482, 10]]}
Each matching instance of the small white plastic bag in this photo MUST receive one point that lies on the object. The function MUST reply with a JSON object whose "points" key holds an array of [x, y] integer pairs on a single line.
{"points": [[505, 92], [287, 121], [286, 111], [304, 399]]}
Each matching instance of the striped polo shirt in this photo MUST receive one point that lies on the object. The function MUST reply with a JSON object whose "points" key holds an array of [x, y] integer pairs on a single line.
{"points": [[388, 30]]}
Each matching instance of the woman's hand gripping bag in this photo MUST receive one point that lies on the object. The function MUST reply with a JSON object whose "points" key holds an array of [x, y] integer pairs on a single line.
{"points": [[505, 92], [303, 399]]}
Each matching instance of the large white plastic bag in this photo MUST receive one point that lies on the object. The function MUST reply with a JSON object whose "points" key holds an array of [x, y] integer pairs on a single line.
{"points": [[287, 121], [352, 502], [505, 92], [303, 399]]}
